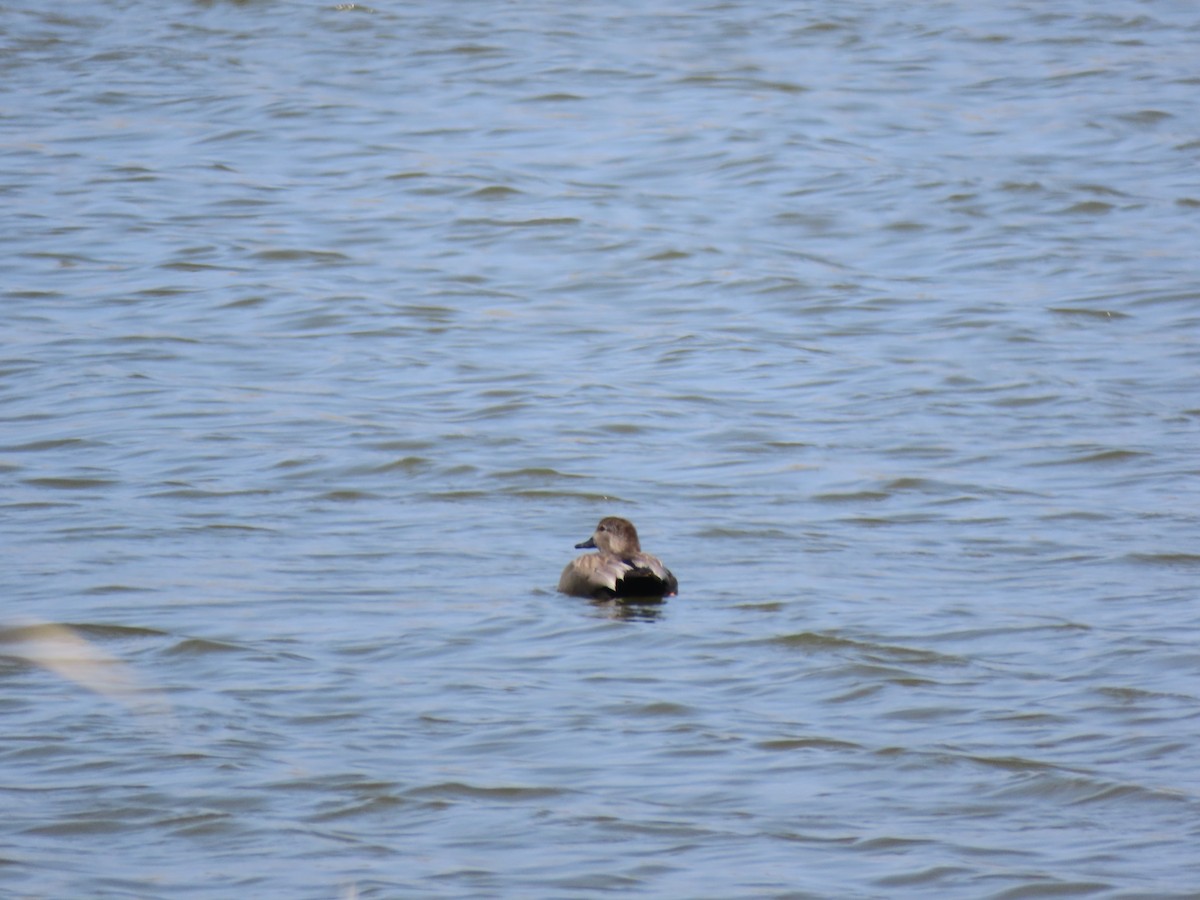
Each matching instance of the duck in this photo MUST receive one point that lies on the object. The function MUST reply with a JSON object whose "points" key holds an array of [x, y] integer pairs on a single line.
{"points": [[620, 568]]}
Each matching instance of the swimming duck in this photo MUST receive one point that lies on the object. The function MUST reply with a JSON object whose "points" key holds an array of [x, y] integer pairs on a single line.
{"points": [[620, 569]]}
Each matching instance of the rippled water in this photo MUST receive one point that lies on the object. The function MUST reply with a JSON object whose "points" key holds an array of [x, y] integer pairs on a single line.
{"points": [[329, 329]]}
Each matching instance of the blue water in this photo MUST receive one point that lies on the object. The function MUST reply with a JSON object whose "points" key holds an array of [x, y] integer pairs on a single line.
{"points": [[330, 329]]}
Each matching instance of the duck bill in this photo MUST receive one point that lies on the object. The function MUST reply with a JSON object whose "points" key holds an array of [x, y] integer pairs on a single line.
{"points": [[589, 544]]}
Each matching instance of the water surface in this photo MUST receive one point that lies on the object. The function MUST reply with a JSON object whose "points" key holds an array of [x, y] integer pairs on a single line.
{"points": [[329, 329]]}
